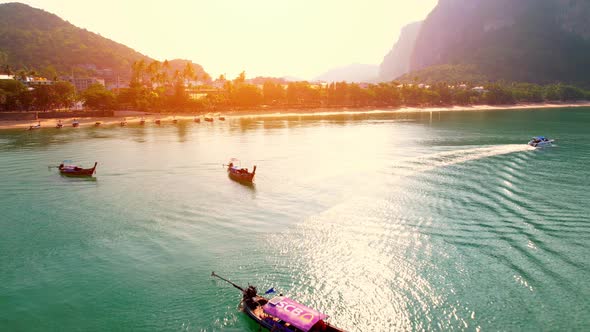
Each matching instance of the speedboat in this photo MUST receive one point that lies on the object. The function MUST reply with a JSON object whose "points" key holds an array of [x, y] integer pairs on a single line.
{"points": [[541, 142]]}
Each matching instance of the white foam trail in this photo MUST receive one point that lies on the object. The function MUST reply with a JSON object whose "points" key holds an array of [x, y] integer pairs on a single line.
{"points": [[448, 158]]}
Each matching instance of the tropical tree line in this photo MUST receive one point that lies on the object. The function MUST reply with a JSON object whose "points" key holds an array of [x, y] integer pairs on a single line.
{"points": [[152, 88], [155, 86], [15, 96]]}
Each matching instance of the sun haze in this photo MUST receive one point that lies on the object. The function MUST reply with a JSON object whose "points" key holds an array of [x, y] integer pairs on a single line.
{"points": [[300, 38]]}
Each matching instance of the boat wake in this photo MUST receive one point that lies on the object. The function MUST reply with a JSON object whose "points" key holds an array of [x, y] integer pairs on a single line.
{"points": [[421, 164]]}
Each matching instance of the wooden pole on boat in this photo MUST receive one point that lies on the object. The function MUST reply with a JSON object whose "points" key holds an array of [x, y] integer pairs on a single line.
{"points": [[222, 278]]}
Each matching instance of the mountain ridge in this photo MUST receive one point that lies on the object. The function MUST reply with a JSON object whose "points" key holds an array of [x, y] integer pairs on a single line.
{"points": [[539, 41], [32, 38], [397, 61]]}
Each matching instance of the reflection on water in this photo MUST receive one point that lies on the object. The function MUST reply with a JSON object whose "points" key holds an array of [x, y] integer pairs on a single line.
{"points": [[432, 221]]}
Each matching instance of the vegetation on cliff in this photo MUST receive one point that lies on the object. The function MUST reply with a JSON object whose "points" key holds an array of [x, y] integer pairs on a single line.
{"points": [[540, 41]]}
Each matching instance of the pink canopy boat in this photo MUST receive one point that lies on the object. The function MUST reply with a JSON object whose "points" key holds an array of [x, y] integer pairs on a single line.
{"points": [[281, 313]]}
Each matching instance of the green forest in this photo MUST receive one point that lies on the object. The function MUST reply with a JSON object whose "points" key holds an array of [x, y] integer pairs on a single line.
{"points": [[31, 37]]}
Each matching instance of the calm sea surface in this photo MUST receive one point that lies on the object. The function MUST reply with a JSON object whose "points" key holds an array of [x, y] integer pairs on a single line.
{"points": [[442, 221]]}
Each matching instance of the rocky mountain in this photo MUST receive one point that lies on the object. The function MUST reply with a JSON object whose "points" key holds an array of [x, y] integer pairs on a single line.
{"points": [[32, 38], [352, 73], [397, 61], [525, 40]]}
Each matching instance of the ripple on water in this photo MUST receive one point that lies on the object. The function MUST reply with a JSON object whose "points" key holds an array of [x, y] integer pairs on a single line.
{"points": [[382, 224]]}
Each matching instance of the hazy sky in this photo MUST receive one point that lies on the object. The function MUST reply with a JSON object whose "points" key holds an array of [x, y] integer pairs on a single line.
{"points": [[301, 38]]}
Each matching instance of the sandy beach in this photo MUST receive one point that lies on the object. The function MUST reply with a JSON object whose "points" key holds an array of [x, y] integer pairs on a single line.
{"points": [[132, 117], [120, 116]]}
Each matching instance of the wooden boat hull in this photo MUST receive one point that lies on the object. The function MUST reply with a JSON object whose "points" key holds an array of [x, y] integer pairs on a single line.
{"points": [[247, 178], [264, 323], [77, 171], [241, 175], [265, 313]]}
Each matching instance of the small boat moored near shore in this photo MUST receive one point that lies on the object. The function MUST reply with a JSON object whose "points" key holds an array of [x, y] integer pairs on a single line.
{"points": [[97, 123], [123, 122], [158, 121], [59, 125], [74, 170], [142, 121], [37, 126], [221, 118], [281, 313], [209, 118], [237, 173], [75, 123], [197, 119], [541, 142]]}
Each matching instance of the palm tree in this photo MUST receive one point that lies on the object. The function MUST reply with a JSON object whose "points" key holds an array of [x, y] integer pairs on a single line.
{"points": [[153, 70], [138, 68], [164, 77], [189, 72]]}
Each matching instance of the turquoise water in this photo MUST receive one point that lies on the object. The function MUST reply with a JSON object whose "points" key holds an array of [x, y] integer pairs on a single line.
{"points": [[383, 221]]}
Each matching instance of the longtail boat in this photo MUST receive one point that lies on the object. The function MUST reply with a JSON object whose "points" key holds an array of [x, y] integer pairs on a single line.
{"points": [[281, 313], [238, 173], [73, 170]]}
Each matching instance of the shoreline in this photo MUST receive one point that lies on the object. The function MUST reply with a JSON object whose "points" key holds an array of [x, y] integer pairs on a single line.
{"points": [[389, 109], [134, 117]]}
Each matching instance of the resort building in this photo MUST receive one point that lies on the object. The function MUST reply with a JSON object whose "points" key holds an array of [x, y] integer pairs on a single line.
{"points": [[32, 81], [83, 83]]}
